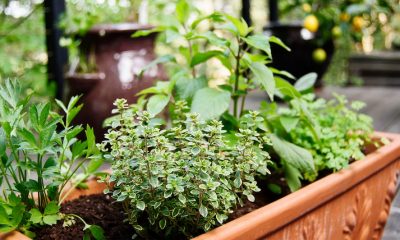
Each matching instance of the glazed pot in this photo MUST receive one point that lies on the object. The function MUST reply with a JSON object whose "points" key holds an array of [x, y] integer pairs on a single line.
{"points": [[353, 203], [299, 61], [119, 59]]}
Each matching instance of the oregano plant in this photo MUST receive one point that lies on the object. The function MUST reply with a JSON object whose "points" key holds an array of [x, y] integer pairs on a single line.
{"points": [[185, 179]]}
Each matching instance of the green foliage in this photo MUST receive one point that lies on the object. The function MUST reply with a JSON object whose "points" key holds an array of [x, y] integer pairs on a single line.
{"points": [[244, 56], [40, 154], [185, 179], [22, 44], [332, 132]]}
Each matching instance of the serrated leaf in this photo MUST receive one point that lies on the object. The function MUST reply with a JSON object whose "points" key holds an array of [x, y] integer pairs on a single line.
{"points": [[3, 216], [306, 82], [36, 216], [51, 219], [141, 205], [203, 211], [157, 103], [210, 103], [51, 208], [264, 76]]}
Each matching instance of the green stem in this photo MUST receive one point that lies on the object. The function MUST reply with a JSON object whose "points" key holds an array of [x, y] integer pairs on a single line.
{"points": [[236, 83]]}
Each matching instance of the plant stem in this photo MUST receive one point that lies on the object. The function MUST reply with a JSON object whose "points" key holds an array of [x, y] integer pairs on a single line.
{"points": [[236, 84]]}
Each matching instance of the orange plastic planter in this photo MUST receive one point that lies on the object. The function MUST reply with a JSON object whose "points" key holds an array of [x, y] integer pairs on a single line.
{"points": [[351, 204]]}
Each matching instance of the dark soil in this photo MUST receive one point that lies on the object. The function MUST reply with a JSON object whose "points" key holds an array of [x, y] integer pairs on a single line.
{"points": [[98, 209]]}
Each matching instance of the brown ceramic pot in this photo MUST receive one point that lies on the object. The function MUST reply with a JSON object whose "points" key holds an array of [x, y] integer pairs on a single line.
{"points": [[353, 203], [119, 59]]}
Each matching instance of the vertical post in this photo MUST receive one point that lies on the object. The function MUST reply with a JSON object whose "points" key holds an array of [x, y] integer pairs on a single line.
{"points": [[246, 11], [273, 11], [57, 56]]}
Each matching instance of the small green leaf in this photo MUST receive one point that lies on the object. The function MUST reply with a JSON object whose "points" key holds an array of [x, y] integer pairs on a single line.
{"points": [[157, 103], [276, 40], [36, 216], [51, 208], [203, 211], [204, 56], [286, 88], [210, 103], [288, 122], [182, 198], [141, 205], [221, 218], [306, 82], [51, 219], [259, 41], [274, 188], [162, 223], [264, 76], [182, 11], [3, 216], [240, 25], [251, 198], [97, 232]]}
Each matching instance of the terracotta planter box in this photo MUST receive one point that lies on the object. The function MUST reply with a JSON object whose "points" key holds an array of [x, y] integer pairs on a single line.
{"points": [[351, 204]]}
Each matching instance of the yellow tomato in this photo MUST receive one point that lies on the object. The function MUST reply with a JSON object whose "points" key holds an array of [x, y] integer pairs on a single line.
{"points": [[319, 55], [311, 23]]}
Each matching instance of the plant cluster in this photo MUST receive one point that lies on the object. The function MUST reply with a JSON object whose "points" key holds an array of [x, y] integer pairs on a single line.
{"points": [[332, 132], [40, 158], [187, 177]]}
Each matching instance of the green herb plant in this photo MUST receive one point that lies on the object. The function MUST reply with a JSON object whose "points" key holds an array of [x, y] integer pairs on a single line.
{"points": [[40, 156], [246, 57], [228, 40], [333, 132], [182, 180]]}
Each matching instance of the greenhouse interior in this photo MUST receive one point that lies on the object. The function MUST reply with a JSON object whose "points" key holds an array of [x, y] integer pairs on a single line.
{"points": [[200, 119]]}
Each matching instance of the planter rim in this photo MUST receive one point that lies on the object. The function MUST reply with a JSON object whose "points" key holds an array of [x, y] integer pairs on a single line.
{"points": [[87, 76], [281, 212], [125, 27]]}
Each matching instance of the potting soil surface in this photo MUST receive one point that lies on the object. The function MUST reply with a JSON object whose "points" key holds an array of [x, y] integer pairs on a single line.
{"points": [[97, 209]]}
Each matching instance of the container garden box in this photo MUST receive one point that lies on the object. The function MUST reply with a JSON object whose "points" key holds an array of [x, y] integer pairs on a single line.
{"points": [[353, 203]]}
